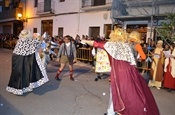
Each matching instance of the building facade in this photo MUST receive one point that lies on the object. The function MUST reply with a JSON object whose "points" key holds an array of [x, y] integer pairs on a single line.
{"points": [[83, 17]]}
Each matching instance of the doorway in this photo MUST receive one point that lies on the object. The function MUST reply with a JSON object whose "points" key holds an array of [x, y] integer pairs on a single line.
{"points": [[47, 26]]}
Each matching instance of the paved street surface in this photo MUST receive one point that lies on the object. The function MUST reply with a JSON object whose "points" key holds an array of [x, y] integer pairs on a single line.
{"points": [[81, 97]]}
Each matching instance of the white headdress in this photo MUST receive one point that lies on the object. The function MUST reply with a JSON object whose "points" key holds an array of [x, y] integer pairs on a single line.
{"points": [[45, 35], [25, 34]]}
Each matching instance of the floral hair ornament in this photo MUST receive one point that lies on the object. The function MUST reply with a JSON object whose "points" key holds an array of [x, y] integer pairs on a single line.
{"points": [[118, 35], [25, 34]]}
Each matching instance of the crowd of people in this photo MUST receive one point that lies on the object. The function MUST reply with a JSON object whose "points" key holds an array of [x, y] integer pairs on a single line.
{"points": [[122, 54], [159, 63], [8, 40]]}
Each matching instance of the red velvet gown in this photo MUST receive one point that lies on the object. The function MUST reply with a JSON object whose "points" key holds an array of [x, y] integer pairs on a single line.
{"points": [[130, 93]]}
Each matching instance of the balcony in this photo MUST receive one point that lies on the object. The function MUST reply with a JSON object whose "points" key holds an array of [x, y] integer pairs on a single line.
{"points": [[88, 5], [10, 15], [46, 8]]}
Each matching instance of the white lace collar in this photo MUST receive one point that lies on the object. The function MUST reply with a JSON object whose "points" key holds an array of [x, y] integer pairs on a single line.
{"points": [[120, 51]]}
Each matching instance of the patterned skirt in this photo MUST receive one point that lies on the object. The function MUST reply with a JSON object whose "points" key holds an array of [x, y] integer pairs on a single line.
{"points": [[28, 73]]}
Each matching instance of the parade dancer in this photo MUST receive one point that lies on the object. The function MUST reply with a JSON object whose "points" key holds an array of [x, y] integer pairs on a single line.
{"points": [[101, 61], [102, 64], [28, 71], [129, 93], [66, 54], [46, 50]]}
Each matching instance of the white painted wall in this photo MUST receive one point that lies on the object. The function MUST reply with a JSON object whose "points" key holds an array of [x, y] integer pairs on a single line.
{"points": [[93, 19], [68, 22], [80, 21], [67, 6], [34, 23], [30, 9]]}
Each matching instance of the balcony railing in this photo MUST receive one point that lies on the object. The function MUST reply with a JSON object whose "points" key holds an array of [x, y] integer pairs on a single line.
{"points": [[92, 3], [10, 14], [46, 8]]}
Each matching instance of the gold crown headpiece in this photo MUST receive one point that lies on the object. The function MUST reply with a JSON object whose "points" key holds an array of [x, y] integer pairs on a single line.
{"points": [[118, 34]]}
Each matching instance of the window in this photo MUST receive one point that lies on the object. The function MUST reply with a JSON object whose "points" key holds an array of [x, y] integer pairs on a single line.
{"points": [[94, 31], [108, 28], [35, 3], [47, 5], [60, 31], [62, 0], [99, 2], [34, 30]]}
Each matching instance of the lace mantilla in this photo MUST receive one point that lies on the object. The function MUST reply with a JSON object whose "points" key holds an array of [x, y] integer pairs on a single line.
{"points": [[26, 47], [120, 51]]}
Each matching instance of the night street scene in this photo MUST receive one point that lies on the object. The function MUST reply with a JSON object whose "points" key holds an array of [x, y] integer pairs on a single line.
{"points": [[87, 57]]}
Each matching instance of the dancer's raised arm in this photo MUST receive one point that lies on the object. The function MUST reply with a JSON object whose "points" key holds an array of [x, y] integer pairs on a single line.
{"points": [[89, 42]]}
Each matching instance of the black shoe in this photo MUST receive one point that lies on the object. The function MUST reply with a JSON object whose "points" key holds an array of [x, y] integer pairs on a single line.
{"points": [[71, 78], [107, 114], [99, 77], [57, 78], [96, 79], [169, 90]]}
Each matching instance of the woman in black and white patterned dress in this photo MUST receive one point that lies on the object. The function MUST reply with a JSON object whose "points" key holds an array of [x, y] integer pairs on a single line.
{"points": [[27, 70]]}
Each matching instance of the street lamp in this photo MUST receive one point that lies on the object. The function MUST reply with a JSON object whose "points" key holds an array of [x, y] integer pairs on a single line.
{"points": [[20, 17]]}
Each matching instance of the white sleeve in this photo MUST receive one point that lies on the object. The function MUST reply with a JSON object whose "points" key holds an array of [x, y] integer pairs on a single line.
{"points": [[93, 52]]}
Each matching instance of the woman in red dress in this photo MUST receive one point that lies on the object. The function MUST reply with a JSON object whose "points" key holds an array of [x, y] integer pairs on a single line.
{"points": [[169, 69]]}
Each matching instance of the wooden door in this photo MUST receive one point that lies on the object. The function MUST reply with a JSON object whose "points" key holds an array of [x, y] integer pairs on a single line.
{"points": [[47, 26]]}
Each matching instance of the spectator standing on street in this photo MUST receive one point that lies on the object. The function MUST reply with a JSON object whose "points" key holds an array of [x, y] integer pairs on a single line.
{"points": [[129, 93], [157, 66], [169, 70], [28, 72], [66, 54], [135, 41]]}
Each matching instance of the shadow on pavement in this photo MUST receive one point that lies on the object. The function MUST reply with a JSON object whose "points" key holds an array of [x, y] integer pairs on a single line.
{"points": [[49, 86], [7, 109], [79, 71]]}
